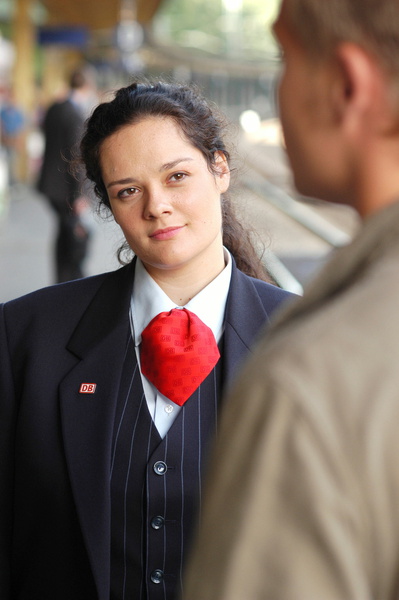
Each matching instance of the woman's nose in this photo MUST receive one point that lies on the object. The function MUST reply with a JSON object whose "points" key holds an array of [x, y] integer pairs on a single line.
{"points": [[157, 203]]}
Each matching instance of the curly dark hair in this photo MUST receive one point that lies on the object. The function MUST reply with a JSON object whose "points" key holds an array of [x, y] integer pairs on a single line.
{"points": [[201, 123]]}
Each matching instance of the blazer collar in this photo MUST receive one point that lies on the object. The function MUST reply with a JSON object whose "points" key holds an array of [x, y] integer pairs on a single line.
{"points": [[106, 312], [98, 343], [245, 313]]}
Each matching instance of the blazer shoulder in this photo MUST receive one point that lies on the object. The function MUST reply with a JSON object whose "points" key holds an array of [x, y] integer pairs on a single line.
{"points": [[270, 295], [272, 290], [64, 298]]}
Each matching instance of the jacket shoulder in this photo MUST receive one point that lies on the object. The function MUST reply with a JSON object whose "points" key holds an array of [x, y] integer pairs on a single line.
{"points": [[62, 301], [270, 295]]}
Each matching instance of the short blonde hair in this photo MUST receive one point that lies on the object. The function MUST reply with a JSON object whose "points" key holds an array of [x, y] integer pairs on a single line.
{"points": [[373, 24]]}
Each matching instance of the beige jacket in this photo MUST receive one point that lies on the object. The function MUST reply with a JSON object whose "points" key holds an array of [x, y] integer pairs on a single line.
{"points": [[302, 500]]}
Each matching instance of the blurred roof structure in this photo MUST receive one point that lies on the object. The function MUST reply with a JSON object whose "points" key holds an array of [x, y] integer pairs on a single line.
{"points": [[97, 14]]}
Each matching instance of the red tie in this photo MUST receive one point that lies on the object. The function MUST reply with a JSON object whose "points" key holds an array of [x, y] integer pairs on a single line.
{"points": [[178, 352]]}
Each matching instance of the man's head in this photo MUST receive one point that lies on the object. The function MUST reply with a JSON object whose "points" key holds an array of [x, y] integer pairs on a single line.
{"points": [[82, 77], [372, 24], [339, 94], [83, 88]]}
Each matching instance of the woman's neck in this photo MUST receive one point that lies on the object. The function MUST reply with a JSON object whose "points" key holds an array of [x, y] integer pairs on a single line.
{"points": [[183, 283]]}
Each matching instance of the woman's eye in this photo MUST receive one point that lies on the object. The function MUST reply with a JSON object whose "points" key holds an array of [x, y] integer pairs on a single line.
{"points": [[178, 176], [127, 192]]}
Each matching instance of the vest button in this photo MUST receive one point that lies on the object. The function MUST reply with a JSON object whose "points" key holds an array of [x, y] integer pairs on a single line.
{"points": [[160, 467], [157, 576], [157, 522]]}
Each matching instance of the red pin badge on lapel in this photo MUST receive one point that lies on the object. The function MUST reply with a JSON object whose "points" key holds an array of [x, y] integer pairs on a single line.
{"points": [[87, 388]]}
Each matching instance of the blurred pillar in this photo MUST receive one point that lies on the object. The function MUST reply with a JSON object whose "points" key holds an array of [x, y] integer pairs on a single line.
{"points": [[58, 62], [24, 39], [233, 26]]}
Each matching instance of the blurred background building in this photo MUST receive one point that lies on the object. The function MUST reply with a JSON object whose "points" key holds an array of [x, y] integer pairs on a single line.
{"points": [[224, 46]]}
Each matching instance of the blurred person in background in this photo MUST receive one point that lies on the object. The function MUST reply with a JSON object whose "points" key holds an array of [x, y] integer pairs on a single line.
{"points": [[302, 502], [62, 128], [12, 127], [104, 430]]}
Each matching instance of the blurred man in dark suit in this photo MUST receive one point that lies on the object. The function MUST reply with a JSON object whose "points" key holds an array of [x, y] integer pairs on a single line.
{"points": [[62, 128]]}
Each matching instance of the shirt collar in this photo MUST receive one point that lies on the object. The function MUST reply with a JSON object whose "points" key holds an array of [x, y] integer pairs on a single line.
{"points": [[148, 300]]}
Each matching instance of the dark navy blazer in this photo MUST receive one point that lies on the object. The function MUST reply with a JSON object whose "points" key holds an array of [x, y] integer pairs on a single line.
{"points": [[55, 442]]}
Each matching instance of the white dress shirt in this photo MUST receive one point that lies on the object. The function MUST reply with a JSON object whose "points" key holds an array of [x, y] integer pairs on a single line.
{"points": [[148, 300]]}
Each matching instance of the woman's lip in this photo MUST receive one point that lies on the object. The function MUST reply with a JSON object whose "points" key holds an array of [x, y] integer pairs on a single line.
{"points": [[164, 234]]}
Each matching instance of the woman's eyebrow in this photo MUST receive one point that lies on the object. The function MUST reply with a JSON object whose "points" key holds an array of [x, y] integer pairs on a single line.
{"points": [[173, 163], [165, 167], [119, 182]]}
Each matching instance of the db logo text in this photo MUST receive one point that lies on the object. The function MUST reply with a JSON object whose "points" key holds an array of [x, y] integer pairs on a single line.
{"points": [[87, 388]]}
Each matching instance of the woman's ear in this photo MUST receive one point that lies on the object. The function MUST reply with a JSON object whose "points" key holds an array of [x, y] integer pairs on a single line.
{"points": [[222, 171]]}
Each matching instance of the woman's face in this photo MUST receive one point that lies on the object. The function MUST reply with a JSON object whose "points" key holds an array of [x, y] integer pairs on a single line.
{"points": [[164, 197]]}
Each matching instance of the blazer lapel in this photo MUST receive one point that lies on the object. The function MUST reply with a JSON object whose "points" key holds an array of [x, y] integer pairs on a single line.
{"points": [[98, 343], [245, 315]]}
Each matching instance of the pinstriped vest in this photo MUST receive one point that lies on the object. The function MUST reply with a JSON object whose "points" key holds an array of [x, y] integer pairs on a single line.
{"points": [[156, 486]]}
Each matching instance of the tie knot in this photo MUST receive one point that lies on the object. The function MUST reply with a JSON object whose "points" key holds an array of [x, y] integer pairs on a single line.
{"points": [[178, 352]]}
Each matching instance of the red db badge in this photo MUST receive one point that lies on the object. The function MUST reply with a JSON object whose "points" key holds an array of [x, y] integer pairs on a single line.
{"points": [[87, 388]]}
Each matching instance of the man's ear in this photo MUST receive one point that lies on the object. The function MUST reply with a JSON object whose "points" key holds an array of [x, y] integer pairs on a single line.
{"points": [[358, 89], [222, 171]]}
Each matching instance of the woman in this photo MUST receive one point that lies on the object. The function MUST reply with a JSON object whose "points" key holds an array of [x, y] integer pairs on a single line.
{"points": [[101, 471]]}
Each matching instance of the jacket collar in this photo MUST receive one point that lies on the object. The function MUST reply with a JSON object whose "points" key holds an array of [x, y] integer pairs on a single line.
{"points": [[107, 311], [244, 314], [99, 341]]}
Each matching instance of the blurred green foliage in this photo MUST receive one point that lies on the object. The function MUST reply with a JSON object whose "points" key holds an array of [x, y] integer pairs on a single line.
{"points": [[219, 26]]}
